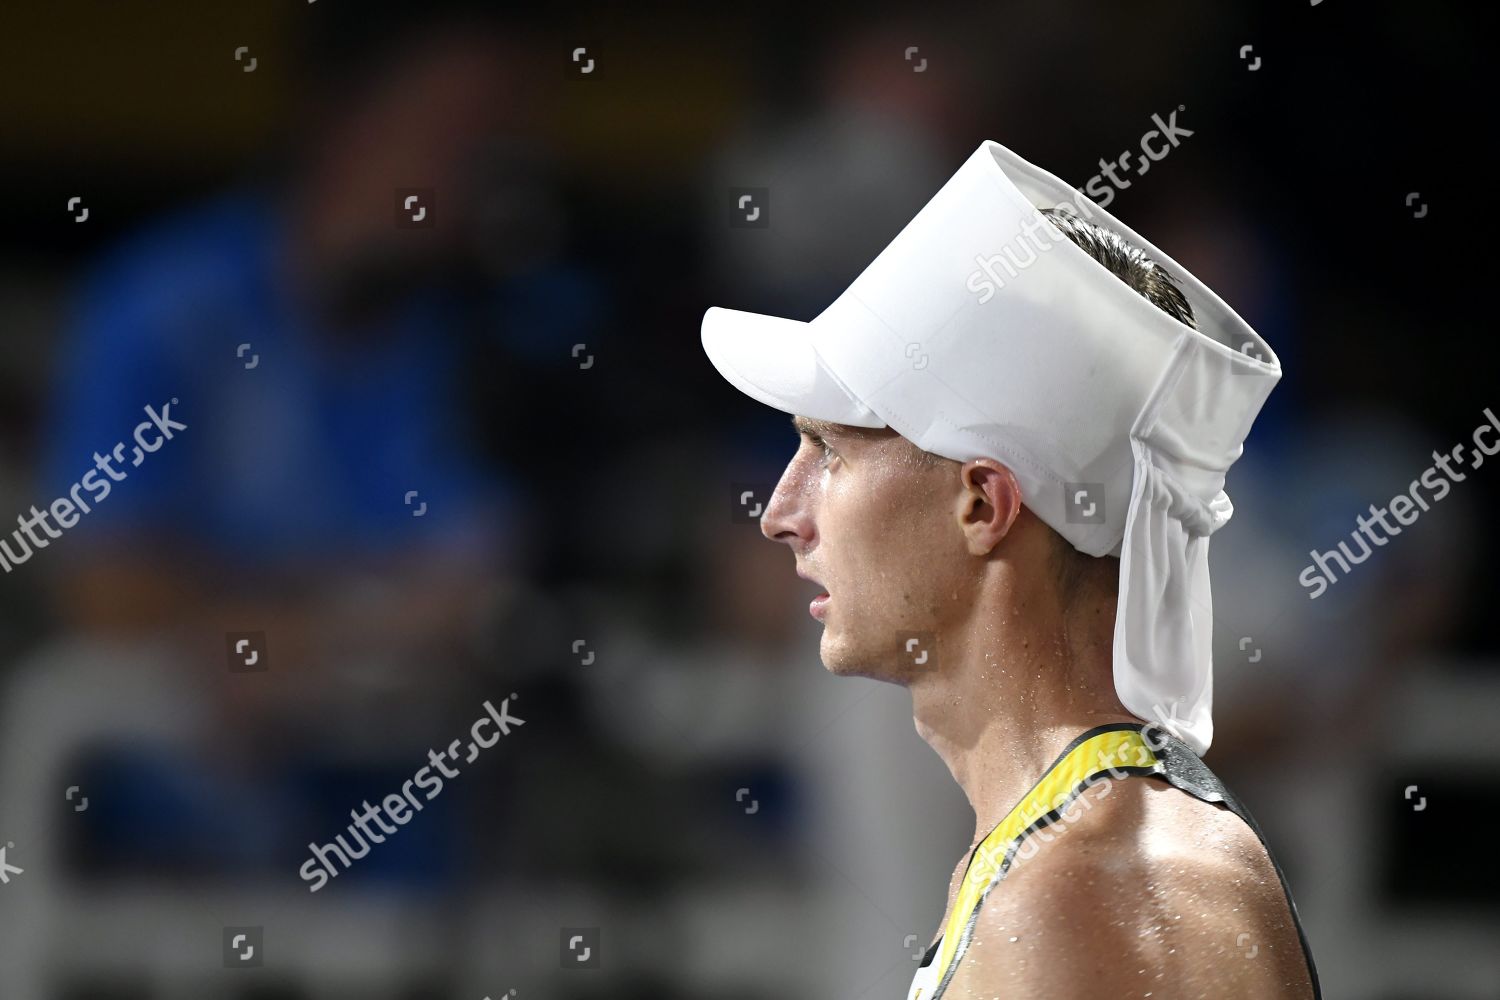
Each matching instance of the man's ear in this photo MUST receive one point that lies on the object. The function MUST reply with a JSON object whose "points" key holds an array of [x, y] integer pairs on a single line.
{"points": [[988, 504]]}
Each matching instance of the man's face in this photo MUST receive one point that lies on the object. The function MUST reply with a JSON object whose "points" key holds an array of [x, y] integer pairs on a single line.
{"points": [[876, 524]]}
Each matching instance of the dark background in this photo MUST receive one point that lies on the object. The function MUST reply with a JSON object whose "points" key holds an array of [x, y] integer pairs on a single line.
{"points": [[571, 500]]}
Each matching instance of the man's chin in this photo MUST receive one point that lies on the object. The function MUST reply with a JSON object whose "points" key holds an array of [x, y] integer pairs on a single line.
{"points": [[844, 662], [839, 668]]}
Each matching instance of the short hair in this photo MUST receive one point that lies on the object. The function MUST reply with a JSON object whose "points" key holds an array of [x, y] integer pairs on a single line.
{"points": [[1127, 262]]}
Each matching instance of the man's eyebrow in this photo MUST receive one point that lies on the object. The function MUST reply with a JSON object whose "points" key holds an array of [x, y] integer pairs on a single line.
{"points": [[813, 428]]}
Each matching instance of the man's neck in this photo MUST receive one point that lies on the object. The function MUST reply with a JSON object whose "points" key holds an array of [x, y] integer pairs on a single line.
{"points": [[1016, 684]]}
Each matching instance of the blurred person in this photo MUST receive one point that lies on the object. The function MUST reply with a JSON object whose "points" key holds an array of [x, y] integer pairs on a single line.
{"points": [[324, 486], [298, 352], [321, 338], [1010, 466]]}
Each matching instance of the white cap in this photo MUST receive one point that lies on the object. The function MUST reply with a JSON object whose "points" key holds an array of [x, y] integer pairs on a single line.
{"points": [[982, 331]]}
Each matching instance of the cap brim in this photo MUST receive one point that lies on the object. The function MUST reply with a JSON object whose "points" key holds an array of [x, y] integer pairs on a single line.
{"points": [[772, 360]]}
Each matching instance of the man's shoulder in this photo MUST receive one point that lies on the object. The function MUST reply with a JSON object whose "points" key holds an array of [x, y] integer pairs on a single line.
{"points": [[1139, 889], [1144, 838]]}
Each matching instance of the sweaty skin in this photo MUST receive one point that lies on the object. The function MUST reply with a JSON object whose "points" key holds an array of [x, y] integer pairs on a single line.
{"points": [[1148, 893]]}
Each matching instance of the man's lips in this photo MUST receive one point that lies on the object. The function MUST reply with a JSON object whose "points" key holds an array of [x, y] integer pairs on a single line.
{"points": [[820, 602]]}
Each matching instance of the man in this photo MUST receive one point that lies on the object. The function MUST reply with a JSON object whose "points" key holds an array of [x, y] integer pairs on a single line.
{"points": [[1014, 431]]}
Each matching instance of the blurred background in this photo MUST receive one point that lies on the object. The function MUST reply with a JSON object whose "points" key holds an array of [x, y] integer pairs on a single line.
{"points": [[424, 283]]}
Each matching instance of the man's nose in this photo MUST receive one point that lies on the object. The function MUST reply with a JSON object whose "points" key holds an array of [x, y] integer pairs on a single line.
{"points": [[786, 518]]}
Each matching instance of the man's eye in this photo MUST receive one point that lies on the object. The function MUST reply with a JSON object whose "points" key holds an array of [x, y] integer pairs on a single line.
{"points": [[828, 453]]}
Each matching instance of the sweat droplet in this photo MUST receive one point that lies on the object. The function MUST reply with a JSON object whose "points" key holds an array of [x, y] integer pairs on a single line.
{"points": [[1014, 939]]}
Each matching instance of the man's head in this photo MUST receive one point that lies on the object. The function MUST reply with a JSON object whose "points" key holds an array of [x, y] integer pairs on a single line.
{"points": [[978, 333], [447, 77], [904, 540]]}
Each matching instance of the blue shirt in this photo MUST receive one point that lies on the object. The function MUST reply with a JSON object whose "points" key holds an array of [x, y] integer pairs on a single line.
{"points": [[296, 446]]}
